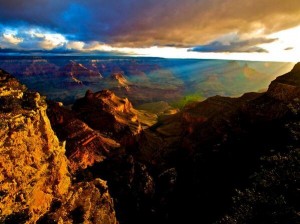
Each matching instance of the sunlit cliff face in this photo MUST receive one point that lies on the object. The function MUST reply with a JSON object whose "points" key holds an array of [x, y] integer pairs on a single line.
{"points": [[251, 30]]}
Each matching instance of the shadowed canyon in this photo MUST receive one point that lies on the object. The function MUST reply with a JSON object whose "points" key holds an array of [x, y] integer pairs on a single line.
{"points": [[148, 140]]}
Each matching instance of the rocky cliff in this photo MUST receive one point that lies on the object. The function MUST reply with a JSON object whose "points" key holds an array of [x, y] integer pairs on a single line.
{"points": [[79, 74], [84, 145], [214, 147], [35, 184], [118, 80], [106, 112]]}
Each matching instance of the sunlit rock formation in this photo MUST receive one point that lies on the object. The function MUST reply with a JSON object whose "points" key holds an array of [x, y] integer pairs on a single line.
{"points": [[78, 73], [84, 145], [34, 176], [109, 114]]}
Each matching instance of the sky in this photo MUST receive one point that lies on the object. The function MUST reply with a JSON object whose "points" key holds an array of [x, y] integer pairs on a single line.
{"points": [[263, 30]]}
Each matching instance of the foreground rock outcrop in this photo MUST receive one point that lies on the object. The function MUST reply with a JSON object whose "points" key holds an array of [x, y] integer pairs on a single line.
{"points": [[86, 202], [34, 176]]}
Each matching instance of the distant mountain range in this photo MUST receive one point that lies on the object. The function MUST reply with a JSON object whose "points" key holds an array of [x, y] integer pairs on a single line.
{"points": [[142, 80]]}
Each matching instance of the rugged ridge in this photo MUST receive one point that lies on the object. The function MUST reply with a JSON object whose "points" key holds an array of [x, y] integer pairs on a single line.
{"points": [[79, 74], [117, 79], [84, 145], [286, 87], [109, 114], [35, 182]]}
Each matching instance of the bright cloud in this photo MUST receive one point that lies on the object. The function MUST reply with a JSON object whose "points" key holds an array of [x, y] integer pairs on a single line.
{"points": [[75, 45], [12, 39], [24, 38], [49, 41]]}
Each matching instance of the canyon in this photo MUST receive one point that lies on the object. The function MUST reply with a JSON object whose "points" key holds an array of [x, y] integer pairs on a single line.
{"points": [[103, 160]]}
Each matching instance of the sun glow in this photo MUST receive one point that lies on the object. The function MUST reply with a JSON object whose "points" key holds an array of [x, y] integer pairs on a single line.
{"points": [[285, 48]]}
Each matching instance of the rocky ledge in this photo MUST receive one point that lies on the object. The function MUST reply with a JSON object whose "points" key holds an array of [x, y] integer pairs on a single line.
{"points": [[35, 184]]}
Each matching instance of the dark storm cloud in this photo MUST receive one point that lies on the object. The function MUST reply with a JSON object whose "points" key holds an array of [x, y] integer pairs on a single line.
{"points": [[136, 23], [248, 46], [31, 12]]}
